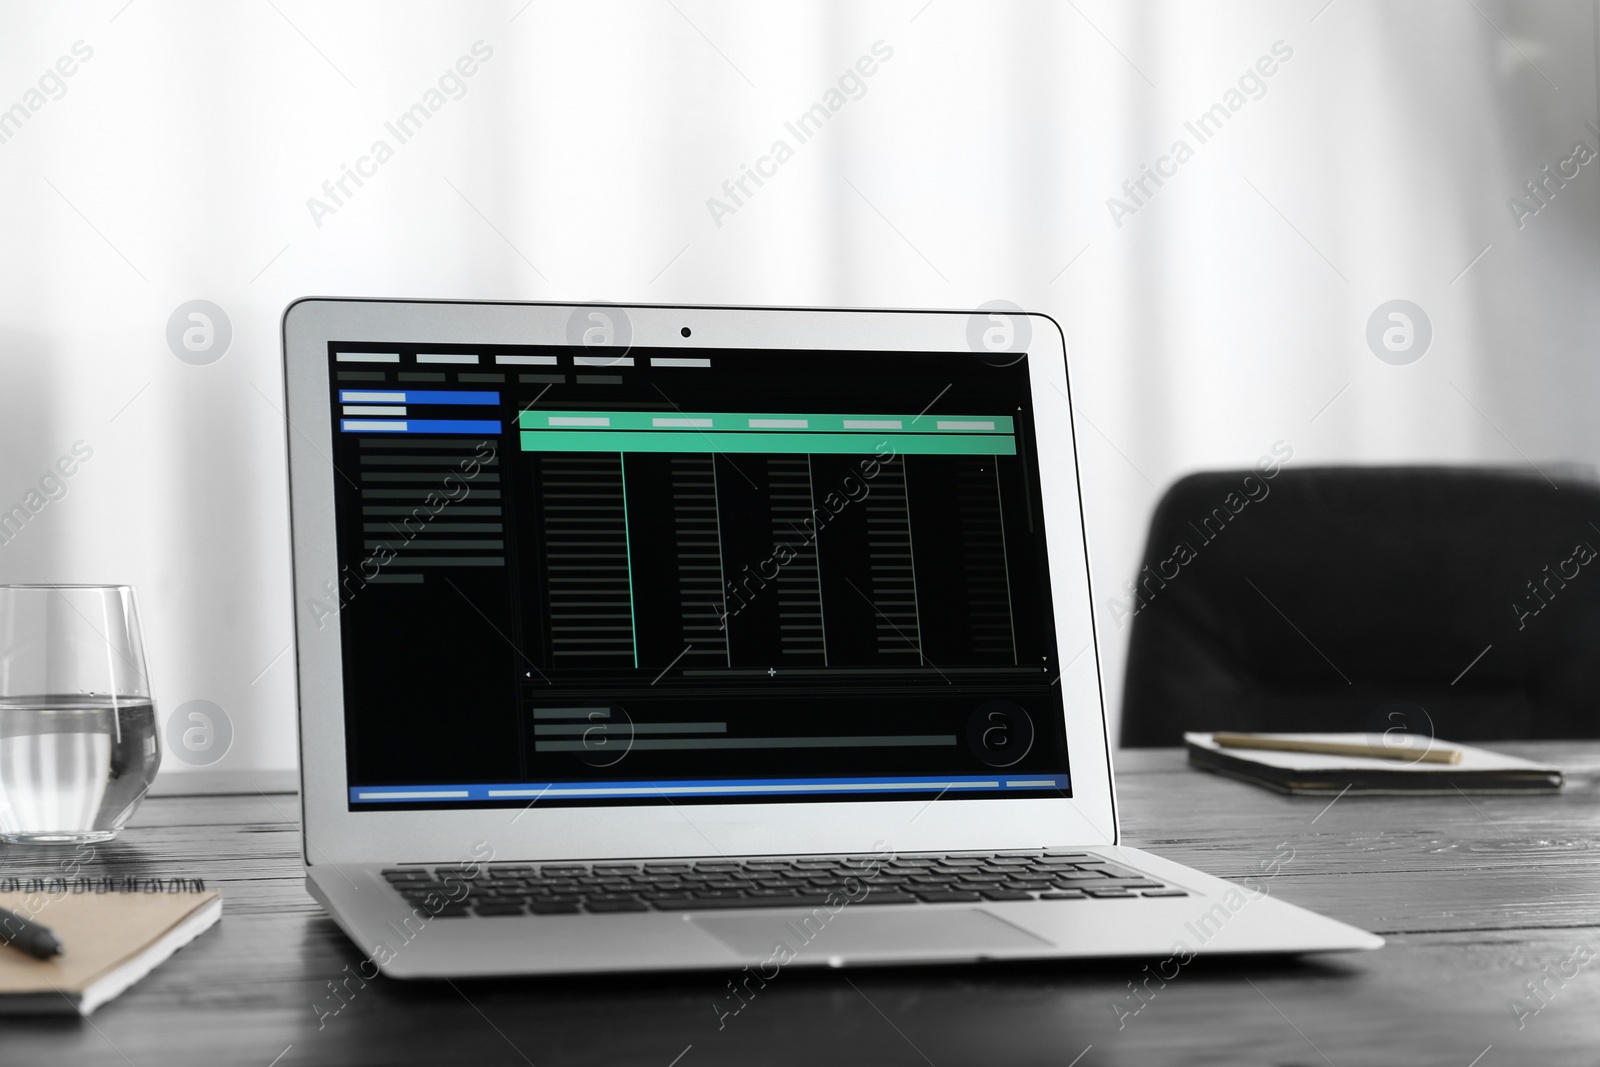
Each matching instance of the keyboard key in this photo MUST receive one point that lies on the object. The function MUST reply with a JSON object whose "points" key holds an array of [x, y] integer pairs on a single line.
{"points": [[804, 900], [1164, 893], [442, 873], [498, 908], [1006, 894], [664, 902], [877, 897], [682, 904], [948, 896], [451, 911], [1113, 871], [1109, 894], [1065, 894], [553, 908], [602, 906]]}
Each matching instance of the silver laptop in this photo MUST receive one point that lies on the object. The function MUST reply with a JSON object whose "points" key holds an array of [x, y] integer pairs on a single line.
{"points": [[646, 637]]}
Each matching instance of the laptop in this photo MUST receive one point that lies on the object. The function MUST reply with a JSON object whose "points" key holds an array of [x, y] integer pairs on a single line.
{"points": [[639, 637]]}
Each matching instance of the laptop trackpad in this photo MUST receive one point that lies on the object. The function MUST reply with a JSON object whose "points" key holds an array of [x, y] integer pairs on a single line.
{"points": [[934, 933]]}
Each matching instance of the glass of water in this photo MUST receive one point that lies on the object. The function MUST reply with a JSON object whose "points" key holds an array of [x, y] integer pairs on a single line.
{"points": [[77, 725]]}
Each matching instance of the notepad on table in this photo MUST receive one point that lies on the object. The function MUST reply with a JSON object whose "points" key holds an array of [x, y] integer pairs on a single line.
{"points": [[112, 940], [1478, 771]]}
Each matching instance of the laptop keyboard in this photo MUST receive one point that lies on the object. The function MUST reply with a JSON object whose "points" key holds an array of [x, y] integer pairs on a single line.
{"points": [[706, 884]]}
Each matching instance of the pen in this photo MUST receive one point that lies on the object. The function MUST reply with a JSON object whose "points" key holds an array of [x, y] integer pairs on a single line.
{"points": [[35, 939], [1339, 748]]}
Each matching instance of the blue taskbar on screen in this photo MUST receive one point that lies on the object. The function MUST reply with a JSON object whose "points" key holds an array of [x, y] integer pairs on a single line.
{"points": [[762, 787]]}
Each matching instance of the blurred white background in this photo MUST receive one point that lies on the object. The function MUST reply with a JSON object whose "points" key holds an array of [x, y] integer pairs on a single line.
{"points": [[1228, 311]]}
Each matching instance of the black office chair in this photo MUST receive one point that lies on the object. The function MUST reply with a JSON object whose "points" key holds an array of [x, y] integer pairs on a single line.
{"points": [[1361, 598]]}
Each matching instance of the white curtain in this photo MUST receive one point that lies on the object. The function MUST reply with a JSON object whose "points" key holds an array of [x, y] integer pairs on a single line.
{"points": [[1226, 312]]}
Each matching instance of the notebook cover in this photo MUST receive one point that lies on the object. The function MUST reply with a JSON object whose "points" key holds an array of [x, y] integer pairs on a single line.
{"points": [[1313, 774], [104, 934]]}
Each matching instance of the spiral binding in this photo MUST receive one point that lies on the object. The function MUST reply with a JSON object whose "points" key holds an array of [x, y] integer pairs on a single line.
{"points": [[107, 884]]}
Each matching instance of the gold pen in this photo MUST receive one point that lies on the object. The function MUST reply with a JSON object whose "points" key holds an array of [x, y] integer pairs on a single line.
{"points": [[1407, 754]]}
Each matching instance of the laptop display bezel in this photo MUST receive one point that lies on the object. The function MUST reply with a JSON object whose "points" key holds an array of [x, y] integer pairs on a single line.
{"points": [[335, 834]]}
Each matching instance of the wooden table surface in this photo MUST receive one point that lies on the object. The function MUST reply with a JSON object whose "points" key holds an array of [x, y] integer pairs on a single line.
{"points": [[1476, 897]]}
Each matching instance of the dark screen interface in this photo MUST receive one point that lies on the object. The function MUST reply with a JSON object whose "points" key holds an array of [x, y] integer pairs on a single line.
{"points": [[572, 576]]}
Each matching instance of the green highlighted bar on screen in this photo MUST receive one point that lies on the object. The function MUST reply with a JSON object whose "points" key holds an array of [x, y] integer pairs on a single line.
{"points": [[916, 444], [744, 422]]}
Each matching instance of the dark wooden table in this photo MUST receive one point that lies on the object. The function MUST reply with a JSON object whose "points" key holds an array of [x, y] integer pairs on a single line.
{"points": [[1476, 896]]}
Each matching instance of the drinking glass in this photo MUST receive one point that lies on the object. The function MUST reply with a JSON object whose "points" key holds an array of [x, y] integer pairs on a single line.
{"points": [[78, 743]]}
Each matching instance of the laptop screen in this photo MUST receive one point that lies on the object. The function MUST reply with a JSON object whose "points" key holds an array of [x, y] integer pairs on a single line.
{"points": [[583, 576]]}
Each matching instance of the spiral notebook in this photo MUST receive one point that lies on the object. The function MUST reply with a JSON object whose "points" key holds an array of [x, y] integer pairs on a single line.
{"points": [[115, 932]]}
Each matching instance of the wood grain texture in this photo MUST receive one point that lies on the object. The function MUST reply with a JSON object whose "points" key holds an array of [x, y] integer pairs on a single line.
{"points": [[1476, 896]]}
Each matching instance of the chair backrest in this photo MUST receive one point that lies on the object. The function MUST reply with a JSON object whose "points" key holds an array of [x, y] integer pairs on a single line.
{"points": [[1362, 598]]}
